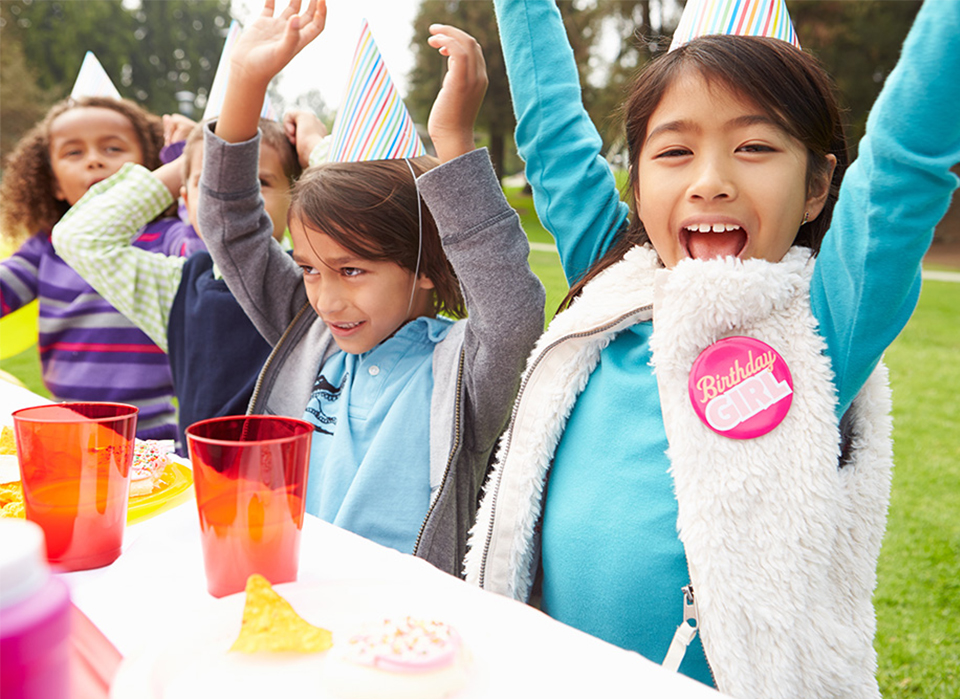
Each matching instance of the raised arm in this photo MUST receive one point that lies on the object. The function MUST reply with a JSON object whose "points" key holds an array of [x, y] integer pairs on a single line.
{"points": [[238, 232], [867, 279], [484, 242], [454, 112], [95, 238], [574, 190]]}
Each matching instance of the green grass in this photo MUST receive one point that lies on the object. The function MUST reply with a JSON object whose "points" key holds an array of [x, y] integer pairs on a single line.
{"points": [[918, 593]]}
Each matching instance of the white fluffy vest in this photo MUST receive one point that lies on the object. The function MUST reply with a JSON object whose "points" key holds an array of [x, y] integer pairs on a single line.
{"points": [[782, 544]]}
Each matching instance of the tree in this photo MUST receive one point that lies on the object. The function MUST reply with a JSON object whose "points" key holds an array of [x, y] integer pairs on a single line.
{"points": [[22, 100], [611, 41], [477, 19], [151, 49], [858, 44]]}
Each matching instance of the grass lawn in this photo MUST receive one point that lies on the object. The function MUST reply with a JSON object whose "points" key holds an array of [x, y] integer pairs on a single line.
{"points": [[918, 595]]}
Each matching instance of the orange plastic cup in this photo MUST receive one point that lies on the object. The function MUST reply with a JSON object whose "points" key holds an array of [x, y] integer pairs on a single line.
{"points": [[75, 469], [250, 477]]}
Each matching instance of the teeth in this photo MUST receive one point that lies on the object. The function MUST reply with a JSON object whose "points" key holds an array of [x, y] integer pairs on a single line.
{"points": [[716, 228], [346, 326]]}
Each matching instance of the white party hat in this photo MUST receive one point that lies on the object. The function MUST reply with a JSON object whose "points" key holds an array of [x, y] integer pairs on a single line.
{"points": [[219, 88], [373, 123], [93, 81], [740, 17]]}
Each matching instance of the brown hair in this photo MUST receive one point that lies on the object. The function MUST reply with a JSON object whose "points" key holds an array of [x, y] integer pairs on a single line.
{"points": [[372, 209], [272, 135], [28, 190], [789, 85]]}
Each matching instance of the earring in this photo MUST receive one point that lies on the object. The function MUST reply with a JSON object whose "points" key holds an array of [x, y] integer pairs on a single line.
{"points": [[806, 217]]}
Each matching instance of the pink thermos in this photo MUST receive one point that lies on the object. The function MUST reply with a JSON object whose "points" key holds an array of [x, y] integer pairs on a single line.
{"points": [[34, 617]]}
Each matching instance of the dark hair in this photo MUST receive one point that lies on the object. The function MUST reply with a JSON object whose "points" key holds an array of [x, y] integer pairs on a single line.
{"points": [[372, 209], [28, 191], [272, 135], [789, 85]]}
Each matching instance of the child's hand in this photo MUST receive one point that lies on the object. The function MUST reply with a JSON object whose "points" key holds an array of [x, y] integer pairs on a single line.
{"points": [[176, 128], [262, 50], [455, 109], [305, 131], [269, 43]]}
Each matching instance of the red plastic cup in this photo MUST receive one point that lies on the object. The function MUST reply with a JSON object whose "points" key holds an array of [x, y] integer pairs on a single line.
{"points": [[75, 469], [250, 477]]}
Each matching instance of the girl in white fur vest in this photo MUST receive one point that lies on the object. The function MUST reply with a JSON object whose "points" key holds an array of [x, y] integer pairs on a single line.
{"points": [[717, 371]]}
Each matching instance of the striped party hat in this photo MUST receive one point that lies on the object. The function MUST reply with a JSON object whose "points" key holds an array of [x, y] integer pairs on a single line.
{"points": [[93, 81], [373, 123], [219, 88], [740, 17]]}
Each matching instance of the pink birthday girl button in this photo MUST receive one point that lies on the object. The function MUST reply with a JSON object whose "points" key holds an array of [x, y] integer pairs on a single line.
{"points": [[740, 387]]}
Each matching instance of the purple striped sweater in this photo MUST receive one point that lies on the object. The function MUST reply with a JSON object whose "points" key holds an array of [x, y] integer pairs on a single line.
{"points": [[88, 350]]}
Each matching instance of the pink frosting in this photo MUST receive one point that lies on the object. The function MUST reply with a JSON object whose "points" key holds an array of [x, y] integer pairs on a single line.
{"points": [[407, 645], [149, 458]]}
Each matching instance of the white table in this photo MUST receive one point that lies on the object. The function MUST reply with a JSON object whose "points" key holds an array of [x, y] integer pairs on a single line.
{"points": [[157, 588]]}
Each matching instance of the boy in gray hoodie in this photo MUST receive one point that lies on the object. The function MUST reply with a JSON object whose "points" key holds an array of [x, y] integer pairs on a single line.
{"points": [[407, 405]]}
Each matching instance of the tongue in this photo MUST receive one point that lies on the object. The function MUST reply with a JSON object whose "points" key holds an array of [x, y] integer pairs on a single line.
{"points": [[707, 246]]}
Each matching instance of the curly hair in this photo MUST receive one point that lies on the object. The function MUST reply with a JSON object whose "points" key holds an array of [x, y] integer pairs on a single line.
{"points": [[28, 190]]}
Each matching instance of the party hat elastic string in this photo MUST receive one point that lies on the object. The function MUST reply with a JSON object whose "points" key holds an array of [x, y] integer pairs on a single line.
{"points": [[416, 271]]}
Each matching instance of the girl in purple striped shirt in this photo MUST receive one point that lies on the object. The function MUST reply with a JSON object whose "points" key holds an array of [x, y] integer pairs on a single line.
{"points": [[88, 350]]}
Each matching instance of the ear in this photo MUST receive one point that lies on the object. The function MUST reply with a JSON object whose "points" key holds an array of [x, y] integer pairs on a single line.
{"points": [[424, 282], [820, 190], [58, 191]]}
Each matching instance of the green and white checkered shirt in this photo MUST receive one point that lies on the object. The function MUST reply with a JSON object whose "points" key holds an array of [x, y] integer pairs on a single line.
{"points": [[94, 237]]}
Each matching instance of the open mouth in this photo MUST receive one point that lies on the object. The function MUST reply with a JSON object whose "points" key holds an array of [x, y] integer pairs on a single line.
{"points": [[707, 241], [342, 329]]}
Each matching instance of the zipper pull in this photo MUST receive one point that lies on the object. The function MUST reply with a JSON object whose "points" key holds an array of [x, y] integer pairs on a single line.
{"points": [[685, 633]]}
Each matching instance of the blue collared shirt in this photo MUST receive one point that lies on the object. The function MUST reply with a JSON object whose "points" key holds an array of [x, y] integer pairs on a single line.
{"points": [[370, 456]]}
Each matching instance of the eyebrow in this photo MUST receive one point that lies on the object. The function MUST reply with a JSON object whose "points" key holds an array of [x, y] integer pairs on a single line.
{"points": [[681, 125], [332, 263]]}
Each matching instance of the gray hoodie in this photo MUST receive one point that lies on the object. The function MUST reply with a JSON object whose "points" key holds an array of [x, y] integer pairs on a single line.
{"points": [[476, 367]]}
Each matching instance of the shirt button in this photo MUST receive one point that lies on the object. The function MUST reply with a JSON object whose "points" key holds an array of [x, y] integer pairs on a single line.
{"points": [[373, 370]]}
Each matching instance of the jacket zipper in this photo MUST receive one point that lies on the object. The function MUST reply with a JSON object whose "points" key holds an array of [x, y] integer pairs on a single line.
{"points": [[266, 365], [691, 611], [453, 451], [516, 408]]}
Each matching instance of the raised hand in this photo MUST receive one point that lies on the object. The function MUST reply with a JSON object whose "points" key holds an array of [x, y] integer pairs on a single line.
{"points": [[454, 112], [304, 130], [176, 128], [265, 46], [269, 43]]}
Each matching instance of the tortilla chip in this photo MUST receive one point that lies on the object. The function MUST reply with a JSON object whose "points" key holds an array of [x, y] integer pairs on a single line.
{"points": [[11, 500], [270, 624], [7, 443]]}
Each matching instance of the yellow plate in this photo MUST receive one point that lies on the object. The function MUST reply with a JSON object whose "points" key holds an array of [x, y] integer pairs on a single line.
{"points": [[176, 487]]}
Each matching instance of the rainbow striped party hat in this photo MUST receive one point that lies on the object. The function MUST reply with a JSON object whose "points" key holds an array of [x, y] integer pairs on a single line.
{"points": [[373, 123], [740, 17], [219, 88], [93, 81]]}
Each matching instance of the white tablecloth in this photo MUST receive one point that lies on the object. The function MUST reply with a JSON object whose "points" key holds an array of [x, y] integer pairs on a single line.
{"points": [[157, 588]]}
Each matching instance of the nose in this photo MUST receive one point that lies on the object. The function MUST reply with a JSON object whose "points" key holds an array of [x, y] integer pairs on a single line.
{"points": [[713, 179], [95, 160], [330, 299]]}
